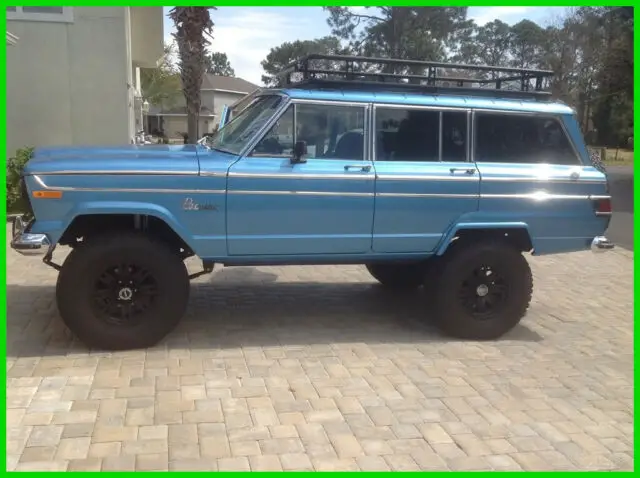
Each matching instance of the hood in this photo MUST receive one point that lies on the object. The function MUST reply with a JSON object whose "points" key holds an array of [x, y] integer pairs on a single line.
{"points": [[140, 159]]}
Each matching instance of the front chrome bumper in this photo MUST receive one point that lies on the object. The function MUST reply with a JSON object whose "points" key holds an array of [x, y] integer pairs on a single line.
{"points": [[601, 244], [26, 243]]}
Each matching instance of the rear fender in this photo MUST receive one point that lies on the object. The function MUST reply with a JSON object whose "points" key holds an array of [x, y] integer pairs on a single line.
{"points": [[479, 226]]}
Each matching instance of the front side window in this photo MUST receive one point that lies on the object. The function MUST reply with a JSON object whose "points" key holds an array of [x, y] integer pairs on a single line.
{"points": [[330, 131], [235, 135], [420, 135], [511, 138]]}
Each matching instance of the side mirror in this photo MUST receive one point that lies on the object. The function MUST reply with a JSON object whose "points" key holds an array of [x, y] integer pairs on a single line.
{"points": [[299, 152]]}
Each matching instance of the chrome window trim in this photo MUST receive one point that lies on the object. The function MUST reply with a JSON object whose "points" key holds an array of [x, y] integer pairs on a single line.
{"points": [[374, 134], [296, 101], [539, 114], [267, 126], [421, 107], [471, 128], [366, 157], [361, 104], [440, 125]]}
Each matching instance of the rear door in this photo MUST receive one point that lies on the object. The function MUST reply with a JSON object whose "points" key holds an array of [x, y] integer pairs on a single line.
{"points": [[424, 180]]}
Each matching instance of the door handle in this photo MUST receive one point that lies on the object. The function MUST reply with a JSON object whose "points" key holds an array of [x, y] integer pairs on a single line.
{"points": [[462, 170], [366, 168]]}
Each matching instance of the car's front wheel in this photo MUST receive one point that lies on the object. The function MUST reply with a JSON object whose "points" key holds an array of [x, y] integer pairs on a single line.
{"points": [[483, 291], [122, 291]]}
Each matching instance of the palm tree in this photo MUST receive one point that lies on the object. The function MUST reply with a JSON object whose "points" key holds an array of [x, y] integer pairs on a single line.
{"points": [[194, 27]]}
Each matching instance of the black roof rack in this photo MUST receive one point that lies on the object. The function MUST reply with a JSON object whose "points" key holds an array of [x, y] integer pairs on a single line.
{"points": [[342, 71]]}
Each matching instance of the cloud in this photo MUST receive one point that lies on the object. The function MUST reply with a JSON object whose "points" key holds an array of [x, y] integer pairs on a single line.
{"points": [[247, 35], [485, 15]]}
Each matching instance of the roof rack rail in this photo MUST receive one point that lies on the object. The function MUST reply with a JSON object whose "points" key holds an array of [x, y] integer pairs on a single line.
{"points": [[424, 76]]}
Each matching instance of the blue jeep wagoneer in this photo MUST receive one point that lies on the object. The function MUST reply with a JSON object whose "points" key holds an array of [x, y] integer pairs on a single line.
{"points": [[428, 174]]}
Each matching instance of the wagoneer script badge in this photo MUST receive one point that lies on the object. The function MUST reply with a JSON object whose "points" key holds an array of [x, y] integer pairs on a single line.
{"points": [[190, 205]]}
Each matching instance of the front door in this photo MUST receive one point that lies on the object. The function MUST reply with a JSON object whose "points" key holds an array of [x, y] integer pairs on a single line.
{"points": [[425, 183], [322, 206]]}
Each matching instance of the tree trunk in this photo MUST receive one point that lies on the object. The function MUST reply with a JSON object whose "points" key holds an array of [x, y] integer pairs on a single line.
{"points": [[192, 127]]}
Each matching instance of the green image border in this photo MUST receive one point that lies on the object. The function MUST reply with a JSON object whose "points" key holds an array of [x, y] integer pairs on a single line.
{"points": [[242, 3]]}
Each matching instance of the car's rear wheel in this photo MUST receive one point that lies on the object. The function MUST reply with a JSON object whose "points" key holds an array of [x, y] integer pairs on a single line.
{"points": [[122, 291], [398, 276], [482, 291]]}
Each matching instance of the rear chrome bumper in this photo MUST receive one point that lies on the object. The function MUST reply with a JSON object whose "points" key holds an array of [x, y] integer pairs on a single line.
{"points": [[601, 244], [26, 243]]}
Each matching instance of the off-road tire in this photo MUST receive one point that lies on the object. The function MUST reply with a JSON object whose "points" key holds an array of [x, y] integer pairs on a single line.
{"points": [[85, 265], [400, 276], [449, 313]]}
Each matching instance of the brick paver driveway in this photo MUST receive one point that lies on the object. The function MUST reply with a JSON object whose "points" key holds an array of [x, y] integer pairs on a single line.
{"points": [[317, 368]]}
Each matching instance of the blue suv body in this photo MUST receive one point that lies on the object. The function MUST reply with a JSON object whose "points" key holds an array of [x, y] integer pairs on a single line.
{"points": [[426, 184]]}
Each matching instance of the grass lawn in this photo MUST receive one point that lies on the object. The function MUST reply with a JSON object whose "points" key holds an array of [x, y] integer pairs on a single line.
{"points": [[625, 157]]}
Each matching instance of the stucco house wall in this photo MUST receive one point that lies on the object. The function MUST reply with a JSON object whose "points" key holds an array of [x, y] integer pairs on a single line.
{"points": [[70, 77]]}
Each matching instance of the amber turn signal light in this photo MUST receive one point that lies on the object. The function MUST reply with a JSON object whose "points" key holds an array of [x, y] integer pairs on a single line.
{"points": [[47, 194]]}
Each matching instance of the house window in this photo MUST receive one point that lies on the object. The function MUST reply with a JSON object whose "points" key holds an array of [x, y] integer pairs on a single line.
{"points": [[40, 14]]}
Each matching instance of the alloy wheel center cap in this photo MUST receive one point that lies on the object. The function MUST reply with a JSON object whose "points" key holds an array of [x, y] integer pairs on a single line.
{"points": [[482, 290], [125, 293]]}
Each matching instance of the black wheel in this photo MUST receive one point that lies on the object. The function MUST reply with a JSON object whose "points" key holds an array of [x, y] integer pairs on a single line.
{"points": [[122, 291], [482, 292], [398, 276]]}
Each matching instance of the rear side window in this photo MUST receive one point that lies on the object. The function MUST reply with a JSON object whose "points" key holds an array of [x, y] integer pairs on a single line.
{"points": [[508, 138], [420, 135]]}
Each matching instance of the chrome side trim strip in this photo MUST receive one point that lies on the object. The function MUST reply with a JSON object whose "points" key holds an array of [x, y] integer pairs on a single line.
{"points": [[521, 179], [399, 177], [42, 184], [114, 173], [299, 193], [427, 195], [369, 176], [214, 174], [537, 196]]}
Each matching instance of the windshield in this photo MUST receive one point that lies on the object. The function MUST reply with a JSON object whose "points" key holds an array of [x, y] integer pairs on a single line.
{"points": [[236, 134]]}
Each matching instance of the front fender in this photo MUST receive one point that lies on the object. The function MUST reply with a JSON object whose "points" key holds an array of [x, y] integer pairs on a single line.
{"points": [[460, 226], [116, 207]]}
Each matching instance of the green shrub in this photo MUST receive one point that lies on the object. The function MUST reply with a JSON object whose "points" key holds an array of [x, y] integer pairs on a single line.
{"points": [[15, 164]]}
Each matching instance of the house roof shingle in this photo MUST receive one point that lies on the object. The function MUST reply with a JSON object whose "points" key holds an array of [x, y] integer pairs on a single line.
{"points": [[216, 82]]}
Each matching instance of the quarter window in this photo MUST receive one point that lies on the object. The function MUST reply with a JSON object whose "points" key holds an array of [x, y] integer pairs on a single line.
{"points": [[330, 131], [420, 135], [510, 138]]}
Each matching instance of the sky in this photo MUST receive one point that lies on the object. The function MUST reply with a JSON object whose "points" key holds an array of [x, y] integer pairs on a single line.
{"points": [[247, 34]]}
